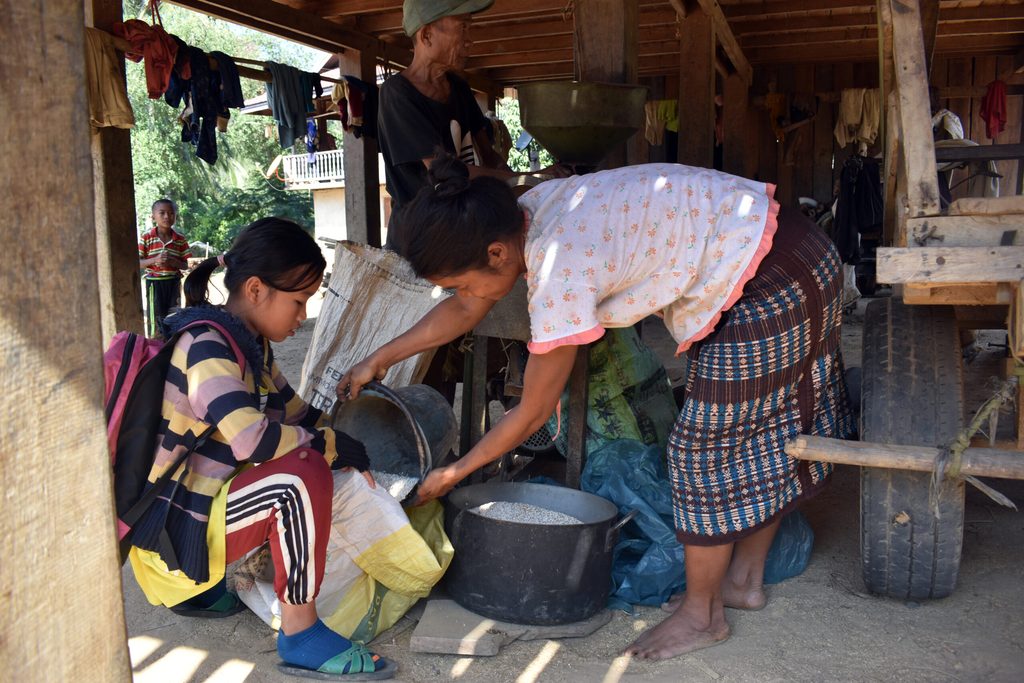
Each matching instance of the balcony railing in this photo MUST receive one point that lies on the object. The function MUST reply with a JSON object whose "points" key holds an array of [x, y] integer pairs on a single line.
{"points": [[327, 170]]}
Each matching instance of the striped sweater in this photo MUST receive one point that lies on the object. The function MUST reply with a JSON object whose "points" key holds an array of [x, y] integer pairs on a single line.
{"points": [[257, 415]]}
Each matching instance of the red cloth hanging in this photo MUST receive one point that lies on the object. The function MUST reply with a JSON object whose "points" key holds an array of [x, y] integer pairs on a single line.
{"points": [[993, 109], [158, 48]]}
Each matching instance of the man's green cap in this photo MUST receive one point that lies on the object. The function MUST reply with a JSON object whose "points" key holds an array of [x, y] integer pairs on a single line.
{"points": [[418, 13]]}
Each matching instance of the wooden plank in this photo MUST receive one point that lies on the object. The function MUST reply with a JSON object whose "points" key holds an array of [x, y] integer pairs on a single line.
{"points": [[606, 49], [785, 80], [950, 264], [929, 27], [966, 231], [735, 102], [993, 294], [1011, 134], [362, 175], [801, 150], [62, 609], [727, 40], [576, 429], [824, 124], [976, 462], [987, 206], [114, 211], [912, 98], [697, 51]]}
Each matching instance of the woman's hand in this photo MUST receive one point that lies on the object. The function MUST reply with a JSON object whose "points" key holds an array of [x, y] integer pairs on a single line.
{"points": [[358, 376], [438, 483]]}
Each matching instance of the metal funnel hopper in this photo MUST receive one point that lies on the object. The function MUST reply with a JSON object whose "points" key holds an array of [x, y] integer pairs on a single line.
{"points": [[579, 123]]}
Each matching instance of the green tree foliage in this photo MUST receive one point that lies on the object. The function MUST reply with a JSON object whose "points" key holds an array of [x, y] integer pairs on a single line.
{"points": [[216, 201], [508, 111]]}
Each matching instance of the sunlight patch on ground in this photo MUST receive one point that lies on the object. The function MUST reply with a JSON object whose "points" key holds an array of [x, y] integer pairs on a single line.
{"points": [[177, 666], [639, 625], [617, 668], [141, 647], [534, 669], [460, 667], [232, 671]]}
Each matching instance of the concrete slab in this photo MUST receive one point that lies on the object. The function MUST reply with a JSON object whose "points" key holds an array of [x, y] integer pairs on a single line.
{"points": [[448, 628]]}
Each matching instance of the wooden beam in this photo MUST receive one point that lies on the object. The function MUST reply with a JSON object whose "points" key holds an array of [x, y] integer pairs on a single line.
{"points": [[735, 103], [929, 28], [63, 609], [950, 264], [911, 87], [976, 462], [980, 152], [767, 9], [966, 231], [114, 209], [308, 29], [724, 35], [362, 184], [991, 294], [697, 51], [606, 48]]}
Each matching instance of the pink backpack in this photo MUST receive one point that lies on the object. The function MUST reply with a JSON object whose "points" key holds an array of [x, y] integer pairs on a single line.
{"points": [[134, 370]]}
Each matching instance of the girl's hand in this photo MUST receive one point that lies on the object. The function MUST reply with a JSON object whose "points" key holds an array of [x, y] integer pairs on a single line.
{"points": [[358, 376], [438, 483]]}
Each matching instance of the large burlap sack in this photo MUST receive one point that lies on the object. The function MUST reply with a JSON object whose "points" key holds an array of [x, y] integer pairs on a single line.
{"points": [[373, 297]]}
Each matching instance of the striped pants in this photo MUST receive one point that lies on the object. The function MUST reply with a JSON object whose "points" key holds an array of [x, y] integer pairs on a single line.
{"points": [[286, 501]]}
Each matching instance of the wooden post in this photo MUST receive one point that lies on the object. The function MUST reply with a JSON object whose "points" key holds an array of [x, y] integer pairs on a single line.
{"points": [[362, 176], [697, 90], [605, 45], [911, 88], [735, 103], [823, 137], [62, 607], [114, 189]]}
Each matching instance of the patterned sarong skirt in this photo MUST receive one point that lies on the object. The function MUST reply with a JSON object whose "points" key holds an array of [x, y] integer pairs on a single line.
{"points": [[771, 369]]}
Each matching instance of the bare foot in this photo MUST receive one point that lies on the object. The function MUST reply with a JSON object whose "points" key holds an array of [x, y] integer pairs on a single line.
{"points": [[678, 634], [750, 598]]}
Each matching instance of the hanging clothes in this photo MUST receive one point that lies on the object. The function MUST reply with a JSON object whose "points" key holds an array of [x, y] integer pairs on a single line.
{"points": [[859, 207], [155, 46], [993, 109], [105, 86], [659, 116], [287, 102], [356, 101], [230, 83], [859, 117]]}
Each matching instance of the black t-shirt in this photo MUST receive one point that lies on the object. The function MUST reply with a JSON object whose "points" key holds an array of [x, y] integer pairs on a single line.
{"points": [[412, 126]]}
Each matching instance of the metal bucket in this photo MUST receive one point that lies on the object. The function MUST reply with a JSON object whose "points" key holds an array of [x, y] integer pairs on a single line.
{"points": [[405, 430], [543, 574]]}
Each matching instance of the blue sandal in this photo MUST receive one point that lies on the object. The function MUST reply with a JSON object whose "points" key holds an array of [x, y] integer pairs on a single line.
{"points": [[354, 664]]}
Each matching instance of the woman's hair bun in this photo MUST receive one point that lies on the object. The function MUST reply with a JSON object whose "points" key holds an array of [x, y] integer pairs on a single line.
{"points": [[448, 175]]}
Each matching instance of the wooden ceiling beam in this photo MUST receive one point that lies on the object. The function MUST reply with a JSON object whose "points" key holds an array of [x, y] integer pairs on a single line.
{"points": [[328, 8], [510, 59], [809, 22], [767, 9], [868, 51], [725, 38]]}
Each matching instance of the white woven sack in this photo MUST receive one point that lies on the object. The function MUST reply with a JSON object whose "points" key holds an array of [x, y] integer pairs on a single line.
{"points": [[373, 297]]}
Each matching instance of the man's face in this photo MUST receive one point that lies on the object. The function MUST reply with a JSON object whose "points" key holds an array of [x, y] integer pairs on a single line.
{"points": [[449, 40]]}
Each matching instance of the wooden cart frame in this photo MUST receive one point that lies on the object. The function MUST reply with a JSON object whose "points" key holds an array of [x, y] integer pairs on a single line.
{"points": [[958, 269]]}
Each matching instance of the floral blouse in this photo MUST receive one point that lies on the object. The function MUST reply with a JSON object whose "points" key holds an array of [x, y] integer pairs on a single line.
{"points": [[610, 248]]}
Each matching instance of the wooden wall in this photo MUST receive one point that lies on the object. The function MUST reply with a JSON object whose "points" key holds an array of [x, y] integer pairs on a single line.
{"points": [[811, 168]]}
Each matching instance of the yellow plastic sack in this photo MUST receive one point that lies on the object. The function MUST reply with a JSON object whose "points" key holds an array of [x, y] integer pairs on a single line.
{"points": [[381, 559]]}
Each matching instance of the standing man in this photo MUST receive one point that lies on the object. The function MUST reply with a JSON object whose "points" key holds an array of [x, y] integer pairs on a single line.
{"points": [[428, 106], [164, 253]]}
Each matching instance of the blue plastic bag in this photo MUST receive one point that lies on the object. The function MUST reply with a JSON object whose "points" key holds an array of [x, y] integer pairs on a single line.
{"points": [[647, 564]]}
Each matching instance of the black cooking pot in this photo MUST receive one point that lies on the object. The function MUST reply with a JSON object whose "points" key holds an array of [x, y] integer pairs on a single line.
{"points": [[524, 573]]}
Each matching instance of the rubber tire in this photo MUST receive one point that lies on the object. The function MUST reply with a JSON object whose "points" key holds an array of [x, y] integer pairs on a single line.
{"points": [[911, 394]]}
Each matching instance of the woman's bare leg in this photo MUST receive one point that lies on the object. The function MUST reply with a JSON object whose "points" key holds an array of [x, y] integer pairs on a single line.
{"points": [[699, 621], [743, 583]]}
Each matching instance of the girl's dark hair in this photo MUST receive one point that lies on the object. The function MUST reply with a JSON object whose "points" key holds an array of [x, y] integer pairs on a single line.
{"points": [[447, 228], [276, 250]]}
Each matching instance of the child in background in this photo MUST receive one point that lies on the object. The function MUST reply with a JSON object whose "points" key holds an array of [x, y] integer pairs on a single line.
{"points": [[164, 253], [264, 474]]}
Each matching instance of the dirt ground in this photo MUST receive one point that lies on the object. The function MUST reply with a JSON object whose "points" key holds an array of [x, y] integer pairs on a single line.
{"points": [[819, 626]]}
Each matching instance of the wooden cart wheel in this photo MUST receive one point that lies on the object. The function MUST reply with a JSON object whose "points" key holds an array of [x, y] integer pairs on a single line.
{"points": [[912, 394]]}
